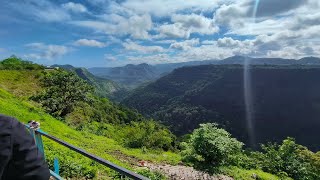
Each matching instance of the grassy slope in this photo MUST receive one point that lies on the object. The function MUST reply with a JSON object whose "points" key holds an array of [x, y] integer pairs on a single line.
{"points": [[19, 83], [24, 83], [241, 174]]}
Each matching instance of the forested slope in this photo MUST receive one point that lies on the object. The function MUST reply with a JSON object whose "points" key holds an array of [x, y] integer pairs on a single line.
{"points": [[286, 101]]}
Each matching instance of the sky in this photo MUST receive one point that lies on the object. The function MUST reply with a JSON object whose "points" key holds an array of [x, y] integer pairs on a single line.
{"points": [[108, 33]]}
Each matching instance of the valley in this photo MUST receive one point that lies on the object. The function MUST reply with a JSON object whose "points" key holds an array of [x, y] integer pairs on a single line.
{"points": [[286, 101]]}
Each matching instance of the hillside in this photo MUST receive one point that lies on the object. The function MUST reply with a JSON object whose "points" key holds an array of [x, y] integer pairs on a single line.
{"points": [[103, 87], [130, 75], [15, 88], [286, 101]]}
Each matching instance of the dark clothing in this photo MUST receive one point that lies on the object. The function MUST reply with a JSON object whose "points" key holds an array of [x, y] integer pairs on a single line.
{"points": [[20, 158]]}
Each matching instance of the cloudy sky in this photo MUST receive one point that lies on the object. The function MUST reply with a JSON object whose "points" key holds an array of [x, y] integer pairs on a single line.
{"points": [[93, 33]]}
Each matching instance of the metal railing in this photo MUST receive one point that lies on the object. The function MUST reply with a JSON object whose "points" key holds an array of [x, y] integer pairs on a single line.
{"points": [[37, 135]]}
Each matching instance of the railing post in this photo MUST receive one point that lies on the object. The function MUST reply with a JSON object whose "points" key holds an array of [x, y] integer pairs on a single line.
{"points": [[39, 142], [56, 166]]}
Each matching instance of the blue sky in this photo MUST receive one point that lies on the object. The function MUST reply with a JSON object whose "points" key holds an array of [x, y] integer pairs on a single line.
{"points": [[100, 33]]}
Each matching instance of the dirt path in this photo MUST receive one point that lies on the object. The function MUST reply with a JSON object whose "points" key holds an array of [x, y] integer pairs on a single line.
{"points": [[180, 172]]}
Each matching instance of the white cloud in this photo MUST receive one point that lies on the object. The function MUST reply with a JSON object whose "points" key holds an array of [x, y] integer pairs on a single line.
{"points": [[74, 7], [196, 23], [167, 7], [89, 42], [135, 26], [173, 31], [208, 42], [185, 45], [231, 43], [46, 51], [40, 10], [169, 41], [184, 25], [132, 46]]}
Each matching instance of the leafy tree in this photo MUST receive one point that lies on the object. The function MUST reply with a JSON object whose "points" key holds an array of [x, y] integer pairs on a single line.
{"points": [[290, 159], [149, 134], [63, 91], [15, 63], [210, 145]]}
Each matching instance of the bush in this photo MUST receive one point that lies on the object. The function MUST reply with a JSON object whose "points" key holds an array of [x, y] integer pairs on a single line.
{"points": [[290, 159], [15, 63], [148, 134], [210, 145], [63, 91]]}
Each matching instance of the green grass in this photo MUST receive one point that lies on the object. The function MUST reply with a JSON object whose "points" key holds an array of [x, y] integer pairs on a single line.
{"points": [[72, 163], [20, 83], [242, 174]]}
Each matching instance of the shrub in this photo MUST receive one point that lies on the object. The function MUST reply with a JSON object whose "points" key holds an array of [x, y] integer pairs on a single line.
{"points": [[290, 158], [63, 91], [148, 134], [210, 145]]}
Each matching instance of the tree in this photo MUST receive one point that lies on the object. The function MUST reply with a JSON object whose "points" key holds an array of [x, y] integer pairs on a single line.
{"points": [[291, 159], [15, 63], [211, 145], [63, 91]]}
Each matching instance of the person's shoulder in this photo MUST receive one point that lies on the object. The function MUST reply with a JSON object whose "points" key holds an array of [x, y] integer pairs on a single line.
{"points": [[7, 121]]}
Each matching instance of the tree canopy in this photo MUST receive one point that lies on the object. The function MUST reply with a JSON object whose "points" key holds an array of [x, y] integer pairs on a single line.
{"points": [[15, 63], [63, 91]]}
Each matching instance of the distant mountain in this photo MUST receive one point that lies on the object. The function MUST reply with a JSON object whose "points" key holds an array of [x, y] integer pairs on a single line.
{"points": [[286, 100], [134, 75], [103, 87], [130, 75]]}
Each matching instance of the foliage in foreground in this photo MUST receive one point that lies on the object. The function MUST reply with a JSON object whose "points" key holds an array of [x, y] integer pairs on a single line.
{"points": [[210, 145], [74, 165], [210, 148], [290, 159]]}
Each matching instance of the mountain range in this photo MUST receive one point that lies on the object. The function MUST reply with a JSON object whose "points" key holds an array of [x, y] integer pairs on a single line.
{"points": [[131, 76]]}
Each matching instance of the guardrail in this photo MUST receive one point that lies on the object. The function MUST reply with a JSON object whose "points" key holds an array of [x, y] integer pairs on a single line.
{"points": [[37, 135]]}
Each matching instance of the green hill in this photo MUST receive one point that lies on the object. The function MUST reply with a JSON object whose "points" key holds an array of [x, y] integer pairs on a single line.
{"points": [[103, 87], [15, 88]]}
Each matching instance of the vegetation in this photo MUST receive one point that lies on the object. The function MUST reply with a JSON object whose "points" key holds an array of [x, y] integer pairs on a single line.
{"points": [[65, 95], [190, 96], [124, 136], [63, 91], [290, 159], [102, 87], [211, 146], [72, 164], [15, 63], [212, 149]]}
